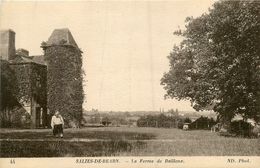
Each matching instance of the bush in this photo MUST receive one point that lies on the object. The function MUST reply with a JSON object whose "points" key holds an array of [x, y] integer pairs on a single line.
{"points": [[203, 123], [241, 128], [160, 121]]}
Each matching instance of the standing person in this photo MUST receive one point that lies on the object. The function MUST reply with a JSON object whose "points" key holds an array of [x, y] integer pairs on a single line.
{"points": [[57, 124]]}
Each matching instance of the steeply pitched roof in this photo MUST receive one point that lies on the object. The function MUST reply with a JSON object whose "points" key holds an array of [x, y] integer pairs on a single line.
{"points": [[20, 59], [39, 59], [61, 36]]}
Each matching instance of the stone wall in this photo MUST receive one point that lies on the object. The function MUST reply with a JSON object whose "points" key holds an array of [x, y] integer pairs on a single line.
{"points": [[64, 76], [32, 82], [65, 91]]}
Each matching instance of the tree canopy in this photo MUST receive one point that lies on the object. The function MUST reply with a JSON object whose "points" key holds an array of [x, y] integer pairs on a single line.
{"points": [[217, 65], [9, 86]]}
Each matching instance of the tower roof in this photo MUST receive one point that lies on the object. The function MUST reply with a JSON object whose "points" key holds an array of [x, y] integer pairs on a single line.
{"points": [[61, 36]]}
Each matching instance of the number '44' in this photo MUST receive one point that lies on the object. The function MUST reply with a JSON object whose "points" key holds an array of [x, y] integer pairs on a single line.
{"points": [[12, 161]]}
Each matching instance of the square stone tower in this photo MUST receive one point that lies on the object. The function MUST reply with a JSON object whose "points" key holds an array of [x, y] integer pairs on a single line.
{"points": [[64, 76], [7, 44]]}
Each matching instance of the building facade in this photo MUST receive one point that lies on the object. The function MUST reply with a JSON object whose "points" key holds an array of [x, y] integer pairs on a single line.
{"points": [[34, 107], [31, 80], [32, 96]]}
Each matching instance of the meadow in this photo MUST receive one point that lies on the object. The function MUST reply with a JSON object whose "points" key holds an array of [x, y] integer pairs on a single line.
{"points": [[123, 141]]}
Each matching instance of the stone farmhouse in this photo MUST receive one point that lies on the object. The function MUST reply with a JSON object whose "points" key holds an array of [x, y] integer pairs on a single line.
{"points": [[31, 74]]}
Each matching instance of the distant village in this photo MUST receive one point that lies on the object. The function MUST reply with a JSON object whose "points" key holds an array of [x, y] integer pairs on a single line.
{"points": [[169, 119]]}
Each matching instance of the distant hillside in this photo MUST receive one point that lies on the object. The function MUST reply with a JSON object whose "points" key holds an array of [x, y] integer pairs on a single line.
{"points": [[143, 113]]}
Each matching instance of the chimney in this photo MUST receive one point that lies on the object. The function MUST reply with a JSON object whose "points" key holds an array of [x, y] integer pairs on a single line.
{"points": [[7, 44]]}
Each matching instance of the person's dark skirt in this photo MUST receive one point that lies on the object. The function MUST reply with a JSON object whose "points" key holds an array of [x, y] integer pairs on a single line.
{"points": [[57, 129]]}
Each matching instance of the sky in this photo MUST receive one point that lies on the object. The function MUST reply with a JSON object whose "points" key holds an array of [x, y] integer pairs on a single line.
{"points": [[125, 45]]}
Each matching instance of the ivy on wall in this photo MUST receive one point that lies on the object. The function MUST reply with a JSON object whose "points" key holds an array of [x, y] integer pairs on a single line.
{"points": [[64, 82], [39, 84], [19, 83], [9, 86], [31, 80], [9, 89]]}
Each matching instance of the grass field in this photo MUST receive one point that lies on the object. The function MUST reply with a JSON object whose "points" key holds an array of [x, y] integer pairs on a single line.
{"points": [[123, 141]]}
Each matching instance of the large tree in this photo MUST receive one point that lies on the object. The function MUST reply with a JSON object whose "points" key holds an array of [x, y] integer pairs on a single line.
{"points": [[217, 65], [8, 92]]}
